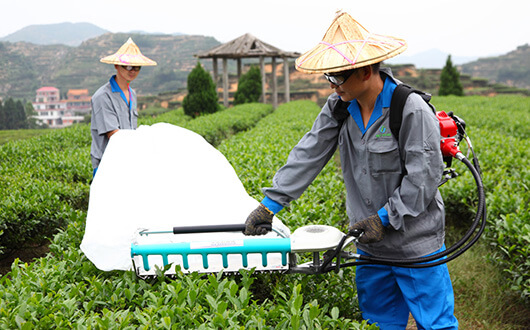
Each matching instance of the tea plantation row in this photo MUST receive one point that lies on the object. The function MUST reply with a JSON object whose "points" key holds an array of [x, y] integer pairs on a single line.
{"points": [[66, 290], [499, 129], [45, 180]]}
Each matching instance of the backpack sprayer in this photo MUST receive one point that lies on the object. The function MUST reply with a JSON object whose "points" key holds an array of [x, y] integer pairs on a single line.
{"points": [[210, 249]]}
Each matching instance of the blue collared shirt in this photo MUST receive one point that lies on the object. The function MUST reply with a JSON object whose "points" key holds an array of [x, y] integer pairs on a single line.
{"points": [[110, 111]]}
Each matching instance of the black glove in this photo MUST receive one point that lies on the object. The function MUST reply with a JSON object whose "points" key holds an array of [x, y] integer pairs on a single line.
{"points": [[372, 227], [261, 215]]}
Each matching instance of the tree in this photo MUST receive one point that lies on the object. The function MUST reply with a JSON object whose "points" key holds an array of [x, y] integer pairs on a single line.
{"points": [[9, 114], [202, 95], [249, 87], [30, 116], [20, 116], [2, 116], [450, 80], [13, 115]]}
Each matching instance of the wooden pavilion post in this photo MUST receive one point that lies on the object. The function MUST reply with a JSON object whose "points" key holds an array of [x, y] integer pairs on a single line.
{"points": [[225, 83], [287, 97], [238, 68], [263, 78], [274, 84], [215, 73]]}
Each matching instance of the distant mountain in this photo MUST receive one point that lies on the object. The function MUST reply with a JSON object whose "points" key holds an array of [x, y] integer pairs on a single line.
{"points": [[512, 69], [430, 59], [25, 67], [70, 34]]}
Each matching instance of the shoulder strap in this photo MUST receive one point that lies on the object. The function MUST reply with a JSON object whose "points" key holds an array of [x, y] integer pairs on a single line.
{"points": [[339, 109], [399, 97]]}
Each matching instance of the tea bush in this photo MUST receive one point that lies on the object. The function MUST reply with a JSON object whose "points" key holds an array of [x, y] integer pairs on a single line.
{"points": [[65, 290], [219, 126], [43, 182], [498, 127], [175, 117], [256, 155]]}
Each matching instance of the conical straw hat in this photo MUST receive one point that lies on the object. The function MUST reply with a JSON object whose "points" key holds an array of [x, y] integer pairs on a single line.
{"points": [[128, 54], [348, 45]]}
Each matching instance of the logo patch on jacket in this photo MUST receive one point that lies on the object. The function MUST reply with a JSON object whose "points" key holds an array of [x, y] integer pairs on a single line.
{"points": [[383, 132]]}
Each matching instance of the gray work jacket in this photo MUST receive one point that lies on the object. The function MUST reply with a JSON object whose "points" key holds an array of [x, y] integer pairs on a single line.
{"points": [[378, 172], [109, 112]]}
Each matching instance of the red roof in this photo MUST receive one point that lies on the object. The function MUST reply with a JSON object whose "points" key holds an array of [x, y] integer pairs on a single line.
{"points": [[47, 89]]}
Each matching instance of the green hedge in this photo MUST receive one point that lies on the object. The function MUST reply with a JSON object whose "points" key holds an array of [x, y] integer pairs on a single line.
{"points": [[224, 123], [43, 182], [256, 156], [498, 127], [65, 290], [175, 117]]}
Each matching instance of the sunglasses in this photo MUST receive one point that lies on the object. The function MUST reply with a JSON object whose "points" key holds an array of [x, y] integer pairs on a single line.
{"points": [[131, 68], [339, 78]]}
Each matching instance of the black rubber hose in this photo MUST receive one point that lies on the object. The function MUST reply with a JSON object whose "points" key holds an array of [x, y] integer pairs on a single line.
{"points": [[480, 218]]}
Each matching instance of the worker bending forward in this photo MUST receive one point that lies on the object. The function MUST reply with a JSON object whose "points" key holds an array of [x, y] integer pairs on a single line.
{"points": [[392, 184]]}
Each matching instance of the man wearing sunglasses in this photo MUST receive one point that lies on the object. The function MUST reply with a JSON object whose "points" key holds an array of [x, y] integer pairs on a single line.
{"points": [[391, 184], [114, 104]]}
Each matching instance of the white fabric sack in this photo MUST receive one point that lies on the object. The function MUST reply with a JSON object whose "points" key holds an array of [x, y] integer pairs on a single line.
{"points": [[158, 177]]}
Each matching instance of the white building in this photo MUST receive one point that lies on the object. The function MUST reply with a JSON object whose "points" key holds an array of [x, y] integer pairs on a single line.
{"points": [[56, 113]]}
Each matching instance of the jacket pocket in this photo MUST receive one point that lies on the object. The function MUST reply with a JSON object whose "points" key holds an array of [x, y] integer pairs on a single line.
{"points": [[383, 156]]}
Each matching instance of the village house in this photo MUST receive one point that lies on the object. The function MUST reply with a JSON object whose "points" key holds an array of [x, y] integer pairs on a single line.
{"points": [[57, 113]]}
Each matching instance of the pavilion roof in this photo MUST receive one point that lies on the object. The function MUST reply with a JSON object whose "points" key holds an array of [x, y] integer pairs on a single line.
{"points": [[245, 46]]}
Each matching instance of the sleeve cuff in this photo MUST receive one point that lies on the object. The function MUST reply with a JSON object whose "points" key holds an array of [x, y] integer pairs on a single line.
{"points": [[272, 205], [383, 215]]}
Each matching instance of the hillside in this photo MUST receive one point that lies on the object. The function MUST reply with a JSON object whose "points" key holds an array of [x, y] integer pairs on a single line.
{"points": [[512, 69], [70, 34], [25, 67]]}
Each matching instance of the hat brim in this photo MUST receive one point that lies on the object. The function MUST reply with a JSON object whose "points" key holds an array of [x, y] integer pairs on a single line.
{"points": [[128, 54], [126, 59], [348, 45]]}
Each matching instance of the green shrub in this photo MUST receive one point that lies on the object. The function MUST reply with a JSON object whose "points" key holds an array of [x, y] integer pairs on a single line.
{"points": [[202, 96], [219, 126], [65, 290], [498, 128], [43, 181], [249, 87], [175, 117], [450, 80]]}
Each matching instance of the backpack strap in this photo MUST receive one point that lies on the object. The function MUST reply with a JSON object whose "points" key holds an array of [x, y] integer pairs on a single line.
{"points": [[339, 109], [399, 97]]}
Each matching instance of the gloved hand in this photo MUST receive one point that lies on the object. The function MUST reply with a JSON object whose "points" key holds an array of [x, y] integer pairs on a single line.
{"points": [[261, 215], [372, 227]]}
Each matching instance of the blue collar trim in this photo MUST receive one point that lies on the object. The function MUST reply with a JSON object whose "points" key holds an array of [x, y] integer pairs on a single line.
{"points": [[116, 88], [383, 101]]}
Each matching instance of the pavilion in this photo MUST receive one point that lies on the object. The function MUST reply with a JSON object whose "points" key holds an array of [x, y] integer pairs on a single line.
{"points": [[248, 46]]}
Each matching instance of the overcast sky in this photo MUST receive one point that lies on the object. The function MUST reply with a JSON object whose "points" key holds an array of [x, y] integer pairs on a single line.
{"points": [[458, 27]]}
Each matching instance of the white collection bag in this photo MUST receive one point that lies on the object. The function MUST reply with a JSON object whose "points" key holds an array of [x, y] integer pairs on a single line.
{"points": [[157, 177]]}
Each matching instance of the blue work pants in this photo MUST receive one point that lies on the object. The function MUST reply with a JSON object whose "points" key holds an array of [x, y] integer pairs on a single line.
{"points": [[387, 294]]}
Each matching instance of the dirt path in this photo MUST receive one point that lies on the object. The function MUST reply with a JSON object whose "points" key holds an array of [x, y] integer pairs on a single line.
{"points": [[25, 255]]}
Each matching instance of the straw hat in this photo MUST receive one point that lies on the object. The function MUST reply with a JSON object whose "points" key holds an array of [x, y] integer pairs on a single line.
{"points": [[128, 54], [348, 45]]}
